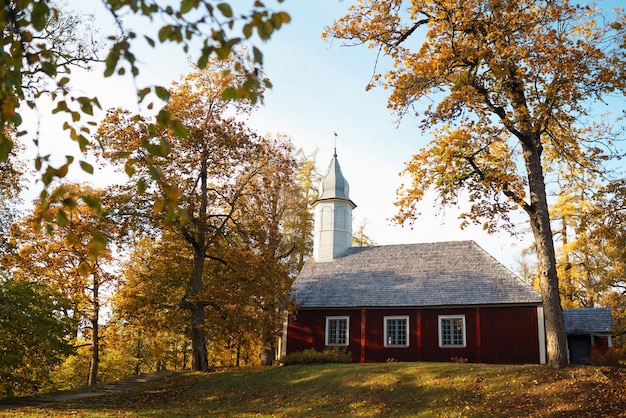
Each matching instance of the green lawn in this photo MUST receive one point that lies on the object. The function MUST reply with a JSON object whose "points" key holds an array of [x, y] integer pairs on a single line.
{"points": [[366, 390]]}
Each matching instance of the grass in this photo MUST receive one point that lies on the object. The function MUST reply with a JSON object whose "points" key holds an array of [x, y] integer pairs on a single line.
{"points": [[365, 390]]}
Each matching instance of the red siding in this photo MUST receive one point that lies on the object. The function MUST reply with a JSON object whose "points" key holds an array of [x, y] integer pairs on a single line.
{"points": [[601, 343], [308, 328], [430, 330], [375, 351], [493, 335], [510, 335]]}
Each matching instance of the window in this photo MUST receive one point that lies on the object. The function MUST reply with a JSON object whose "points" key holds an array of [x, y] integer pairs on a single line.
{"points": [[396, 331], [452, 331], [337, 330]]}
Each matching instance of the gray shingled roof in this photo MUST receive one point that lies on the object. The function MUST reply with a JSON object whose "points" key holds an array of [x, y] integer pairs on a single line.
{"points": [[435, 274], [587, 321]]}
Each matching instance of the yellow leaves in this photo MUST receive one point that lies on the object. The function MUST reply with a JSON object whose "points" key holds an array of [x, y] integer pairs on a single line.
{"points": [[473, 159]]}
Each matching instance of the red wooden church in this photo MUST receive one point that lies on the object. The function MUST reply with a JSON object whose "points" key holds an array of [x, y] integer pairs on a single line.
{"points": [[442, 301]]}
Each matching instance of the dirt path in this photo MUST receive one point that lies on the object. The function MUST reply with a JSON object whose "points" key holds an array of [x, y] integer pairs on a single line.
{"points": [[88, 392]]}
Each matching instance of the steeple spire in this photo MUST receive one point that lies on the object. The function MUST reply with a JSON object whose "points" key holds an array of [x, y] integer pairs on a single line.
{"points": [[333, 214]]}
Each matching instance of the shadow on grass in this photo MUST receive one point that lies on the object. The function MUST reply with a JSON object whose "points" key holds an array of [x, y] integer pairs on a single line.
{"points": [[368, 390]]}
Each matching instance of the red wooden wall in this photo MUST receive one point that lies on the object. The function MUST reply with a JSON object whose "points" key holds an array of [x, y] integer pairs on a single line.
{"points": [[505, 335]]}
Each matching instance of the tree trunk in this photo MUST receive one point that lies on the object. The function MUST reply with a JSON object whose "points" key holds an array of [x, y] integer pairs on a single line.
{"points": [[589, 285], [138, 353], [556, 340], [268, 351], [199, 360], [95, 338]]}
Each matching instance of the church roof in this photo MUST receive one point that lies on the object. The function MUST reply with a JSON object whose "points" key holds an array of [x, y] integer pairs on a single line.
{"points": [[334, 185], [411, 275], [587, 321]]}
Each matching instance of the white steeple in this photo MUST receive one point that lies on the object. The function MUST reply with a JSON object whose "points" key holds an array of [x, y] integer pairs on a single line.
{"points": [[333, 215]]}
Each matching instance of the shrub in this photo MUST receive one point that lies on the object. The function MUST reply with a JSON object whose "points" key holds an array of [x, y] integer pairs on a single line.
{"points": [[329, 355], [611, 357]]}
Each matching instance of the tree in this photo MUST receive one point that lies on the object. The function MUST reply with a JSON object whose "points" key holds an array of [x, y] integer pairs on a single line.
{"points": [[510, 85], [579, 259], [12, 181], [605, 225], [34, 335], [197, 179], [150, 318], [246, 278], [360, 237], [67, 258], [276, 225], [42, 43]]}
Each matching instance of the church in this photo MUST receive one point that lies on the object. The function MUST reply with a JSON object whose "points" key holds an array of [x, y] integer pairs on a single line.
{"points": [[442, 301]]}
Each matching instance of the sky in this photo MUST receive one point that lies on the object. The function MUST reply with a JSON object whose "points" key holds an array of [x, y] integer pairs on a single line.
{"points": [[319, 90]]}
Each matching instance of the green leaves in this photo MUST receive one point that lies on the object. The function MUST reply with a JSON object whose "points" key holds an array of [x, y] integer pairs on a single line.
{"points": [[39, 15], [226, 10], [187, 5], [6, 145], [162, 93], [32, 325], [86, 167]]}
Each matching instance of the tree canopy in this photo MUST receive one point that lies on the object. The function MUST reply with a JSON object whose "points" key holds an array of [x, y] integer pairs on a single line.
{"points": [[221, 188], [507, 88], [42, 42], [33, 334]]}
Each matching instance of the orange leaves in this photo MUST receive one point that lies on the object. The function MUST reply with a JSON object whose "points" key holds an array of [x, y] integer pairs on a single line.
{"points": [[498, 71], [473, 159]]}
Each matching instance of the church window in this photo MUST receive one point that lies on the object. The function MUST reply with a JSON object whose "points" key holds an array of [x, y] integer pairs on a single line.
{"points": [[452, 331], [396, 331], [337, 330]]}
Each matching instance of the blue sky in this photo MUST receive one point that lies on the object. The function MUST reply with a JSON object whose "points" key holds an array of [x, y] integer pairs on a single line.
{"points": [[319, 89]]}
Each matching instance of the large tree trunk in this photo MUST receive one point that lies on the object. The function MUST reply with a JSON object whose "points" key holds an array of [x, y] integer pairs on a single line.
{"points": [[556, 340], [199, 360]]}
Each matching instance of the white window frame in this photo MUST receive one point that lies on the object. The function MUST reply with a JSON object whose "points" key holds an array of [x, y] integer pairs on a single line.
{"points": [[386, 341], [327, 335], [440, 327]]}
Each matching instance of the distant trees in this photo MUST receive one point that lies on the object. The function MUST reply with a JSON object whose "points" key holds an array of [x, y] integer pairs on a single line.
{"points": [[509, 88], [12, 181], [593, 258], [360, 237], [67, 258], [151, 321]]}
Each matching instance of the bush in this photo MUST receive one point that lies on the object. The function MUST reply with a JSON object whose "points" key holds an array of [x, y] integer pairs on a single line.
{"points": [[73, 373], [329, 355], [612, 357]]}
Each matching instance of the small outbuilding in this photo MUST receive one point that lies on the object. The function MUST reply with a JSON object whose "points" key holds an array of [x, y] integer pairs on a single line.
{"points": [[588, 333]]}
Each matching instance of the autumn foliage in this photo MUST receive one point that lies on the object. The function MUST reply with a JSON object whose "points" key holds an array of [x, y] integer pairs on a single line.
{"points": [[507, 89]]}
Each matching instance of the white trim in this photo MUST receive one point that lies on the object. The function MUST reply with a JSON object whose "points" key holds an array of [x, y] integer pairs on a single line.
{"points": [[347, 319], [283, 340], [609, 341], [541, 330], [385, 338], [440, 336]]}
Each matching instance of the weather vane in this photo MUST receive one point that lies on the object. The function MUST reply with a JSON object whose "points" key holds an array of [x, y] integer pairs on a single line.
{"points": [[335, 142]]}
